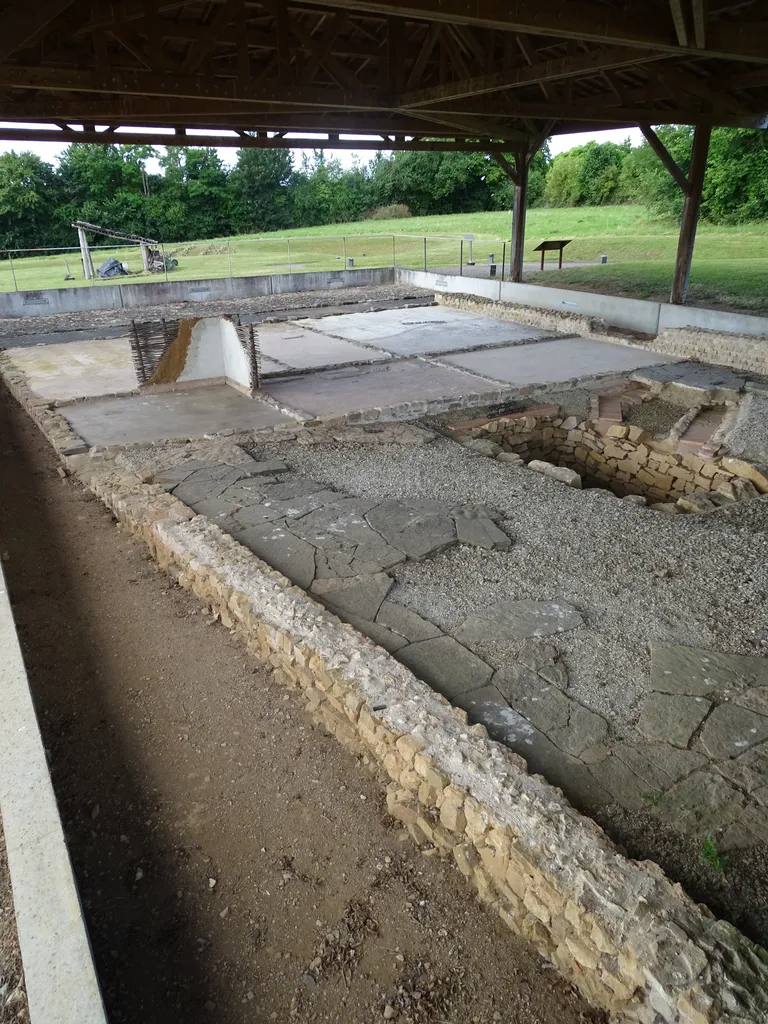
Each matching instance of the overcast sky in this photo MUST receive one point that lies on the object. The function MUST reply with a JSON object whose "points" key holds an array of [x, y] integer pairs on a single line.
{"points": [[50, 151]]}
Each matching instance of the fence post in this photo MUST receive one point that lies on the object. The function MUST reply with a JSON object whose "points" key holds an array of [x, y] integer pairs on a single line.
{"points": [[461, 258], [503, 258], [229, 259], [344, 251], [290, 268], [165, 265], [394, 253], [425, 254], [13, 272]]}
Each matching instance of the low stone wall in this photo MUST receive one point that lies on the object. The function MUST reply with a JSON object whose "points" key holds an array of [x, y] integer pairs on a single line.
{"points": [[567, 323], [631, 940], [739, 351], [624, 459]]}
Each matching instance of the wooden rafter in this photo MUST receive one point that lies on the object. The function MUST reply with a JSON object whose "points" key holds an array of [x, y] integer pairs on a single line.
{"points": [[25, 21]]}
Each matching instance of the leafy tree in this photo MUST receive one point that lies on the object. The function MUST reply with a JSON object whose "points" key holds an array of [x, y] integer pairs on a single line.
{"points": [[29, 193], [259, 188]]}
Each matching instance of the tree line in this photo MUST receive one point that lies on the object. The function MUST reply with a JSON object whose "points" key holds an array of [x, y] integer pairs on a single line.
{"points": [[195, 195]]}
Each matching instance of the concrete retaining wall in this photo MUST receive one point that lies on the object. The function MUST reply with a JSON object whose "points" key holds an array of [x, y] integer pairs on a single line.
{"points": [[630, 939], [59, 974], [120, 296], [632, 314]]}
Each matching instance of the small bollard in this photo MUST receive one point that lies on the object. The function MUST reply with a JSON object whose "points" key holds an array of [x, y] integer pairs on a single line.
{"points": [[492, 270], [603, 259], [350, 261]]}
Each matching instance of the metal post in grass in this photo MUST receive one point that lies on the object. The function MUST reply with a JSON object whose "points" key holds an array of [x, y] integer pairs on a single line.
{"points": [[290, 268], [344, 251], [503, 258], [425, 254], [229, 259], [461, 257], [13, 272], [394, 253]]}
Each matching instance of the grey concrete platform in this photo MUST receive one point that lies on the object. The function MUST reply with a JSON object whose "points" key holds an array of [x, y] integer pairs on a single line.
{"points": [[428, 330], [192, 413], [300, 349], [554, 361], [77, 369], [59, 974], [340, 391]]}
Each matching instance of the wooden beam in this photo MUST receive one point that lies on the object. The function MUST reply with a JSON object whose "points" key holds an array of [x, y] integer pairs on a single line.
{"points": [[592, 22], [323, 45], [666, 158], [25, 21], [691, 209], [342, 75], [420, 64], [678, 11], [225, 15], [700, 23], [509, 169], [526, 48], [553, 70], [519, 212]]}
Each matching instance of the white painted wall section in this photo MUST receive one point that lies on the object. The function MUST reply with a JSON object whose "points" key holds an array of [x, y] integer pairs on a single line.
{"points": [[236, 368], [205, 359]]}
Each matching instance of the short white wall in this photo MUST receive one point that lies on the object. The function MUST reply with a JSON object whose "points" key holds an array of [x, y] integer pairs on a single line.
{"points": [[633, 314], [205, 358], [234, 358]]}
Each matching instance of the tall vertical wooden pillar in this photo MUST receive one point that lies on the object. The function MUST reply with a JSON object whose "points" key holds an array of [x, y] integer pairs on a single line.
{"points": [[518, 215], [691, 209], [85, 254]]}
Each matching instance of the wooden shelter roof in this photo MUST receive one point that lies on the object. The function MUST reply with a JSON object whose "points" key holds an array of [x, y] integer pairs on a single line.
{"points": [[488, 75]]}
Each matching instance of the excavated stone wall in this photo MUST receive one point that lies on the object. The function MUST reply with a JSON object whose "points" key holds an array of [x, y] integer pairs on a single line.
{"points": [[631, 940], [624, 459]]}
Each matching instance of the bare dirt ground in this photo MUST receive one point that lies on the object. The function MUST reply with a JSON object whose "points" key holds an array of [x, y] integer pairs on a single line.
{"points": [[234, 863], [12, 998]]}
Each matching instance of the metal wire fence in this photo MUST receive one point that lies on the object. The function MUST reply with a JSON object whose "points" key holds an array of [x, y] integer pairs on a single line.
{"points": [[37, 269]]}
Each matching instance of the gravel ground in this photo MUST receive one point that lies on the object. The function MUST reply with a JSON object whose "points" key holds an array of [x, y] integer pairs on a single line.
{"points": [[656, 416], [259, 304], [749, 437], [639, 577]]}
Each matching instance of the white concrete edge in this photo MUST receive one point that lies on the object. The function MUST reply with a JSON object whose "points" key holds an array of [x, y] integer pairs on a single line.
{"points": [[60, 976], [633, 314]]}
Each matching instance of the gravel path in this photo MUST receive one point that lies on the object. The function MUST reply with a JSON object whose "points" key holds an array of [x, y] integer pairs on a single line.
{"points": [[14, 328], [638, 576]]}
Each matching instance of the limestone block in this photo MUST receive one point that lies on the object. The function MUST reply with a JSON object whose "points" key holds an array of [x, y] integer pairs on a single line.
{"points": [[617, 430]]}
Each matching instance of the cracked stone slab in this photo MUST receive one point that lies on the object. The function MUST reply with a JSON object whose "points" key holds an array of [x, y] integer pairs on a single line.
{"points": [[358, 597], [446, 666], [416, 532], [380, 635], [285, 552], [698, 672], [658, 765], [244, 492], [207, 482], [256, 515], [751, 829], [542, 659], [701, 804], [270, 468], [296, 508], [504, 724], [175, 475], [748, 771], [626, 788], [520, 620], [216, 509], [407, 623], [730, 730], [481, 533], [672, 718]]}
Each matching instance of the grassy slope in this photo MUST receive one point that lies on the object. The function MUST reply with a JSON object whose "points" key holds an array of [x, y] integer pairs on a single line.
{"points": [[730, 266]]}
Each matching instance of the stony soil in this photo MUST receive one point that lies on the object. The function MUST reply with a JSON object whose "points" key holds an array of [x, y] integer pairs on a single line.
{"points": [[90, 319], [234, 863]]}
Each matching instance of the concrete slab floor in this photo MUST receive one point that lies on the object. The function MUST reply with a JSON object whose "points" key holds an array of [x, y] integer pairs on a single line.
{"points": [[553, 361], [429, 330], [302, 349], [192, 413], [340, 391], [77, 369]]}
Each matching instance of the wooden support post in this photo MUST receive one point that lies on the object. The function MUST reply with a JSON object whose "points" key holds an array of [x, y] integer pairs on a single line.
{"points": [[691, 210], [518, 217], [144, 256], [85, 254]]}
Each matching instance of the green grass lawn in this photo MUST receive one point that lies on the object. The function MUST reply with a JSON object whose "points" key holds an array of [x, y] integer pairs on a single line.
{"points": [[730, 264]]}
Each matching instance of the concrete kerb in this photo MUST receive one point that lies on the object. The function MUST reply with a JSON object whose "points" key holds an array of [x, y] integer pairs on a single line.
{"points": [[60, 977], [631, 940]]}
